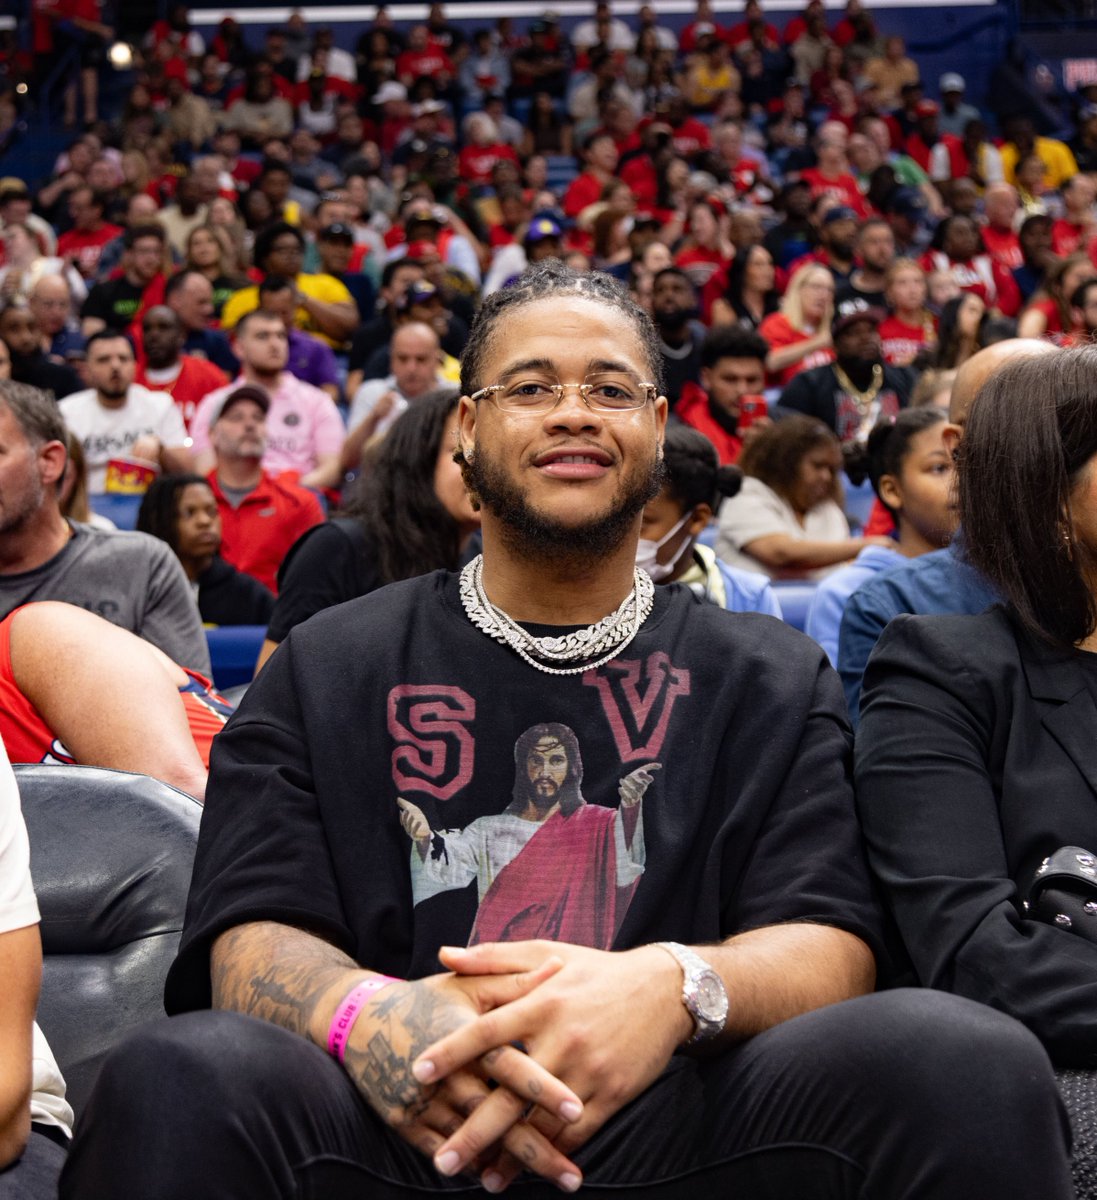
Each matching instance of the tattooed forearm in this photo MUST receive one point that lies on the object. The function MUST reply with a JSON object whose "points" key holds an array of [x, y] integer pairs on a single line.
{"points": [[275, 972], [409, 1018]]}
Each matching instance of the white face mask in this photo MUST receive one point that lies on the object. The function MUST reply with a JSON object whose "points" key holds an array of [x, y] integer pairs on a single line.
{"points": [[647, 552]]}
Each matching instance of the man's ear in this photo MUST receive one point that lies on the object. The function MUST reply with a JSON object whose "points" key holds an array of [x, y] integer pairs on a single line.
{"points": [[51, 462], [951, 435], [466, 426]]}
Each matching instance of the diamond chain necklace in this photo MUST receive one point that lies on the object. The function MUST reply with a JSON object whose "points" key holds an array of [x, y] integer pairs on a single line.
{"points": [[607, 638]]}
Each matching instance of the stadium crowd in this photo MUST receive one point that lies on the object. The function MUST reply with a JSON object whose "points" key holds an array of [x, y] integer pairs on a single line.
{"points": [[236, 324]]}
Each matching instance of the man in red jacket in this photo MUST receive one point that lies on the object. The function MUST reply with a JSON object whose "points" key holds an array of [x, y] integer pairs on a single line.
{"points": [[733, 365]]}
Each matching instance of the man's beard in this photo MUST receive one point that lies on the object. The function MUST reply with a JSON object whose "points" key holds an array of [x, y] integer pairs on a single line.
{"points": [[15, 518], [532, 534]]}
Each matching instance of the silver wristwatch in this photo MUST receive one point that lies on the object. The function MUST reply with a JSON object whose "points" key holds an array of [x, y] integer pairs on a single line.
{"points": [[703, 992]]}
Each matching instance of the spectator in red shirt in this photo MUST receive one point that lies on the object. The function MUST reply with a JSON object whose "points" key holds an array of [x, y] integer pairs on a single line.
{"points": [[707, 249], [262, 515], [84, 242], [738, 35], [940, 155], [831, 175], [732, 366], [1075, 229], [424, 58], [856, 27], [163, 367], [482, 150], [1049, 314], [798, 335], [690, 136], [798, 26], [701, 25], [1000, 207], [514, 212], [910, 325], [958, 249], [600, 155]]}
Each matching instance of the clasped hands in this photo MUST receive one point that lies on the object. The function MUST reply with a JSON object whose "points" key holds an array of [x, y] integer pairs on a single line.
{"points": [[542, 1042]]}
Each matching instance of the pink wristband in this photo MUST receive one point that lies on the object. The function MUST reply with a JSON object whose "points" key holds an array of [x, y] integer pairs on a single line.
{"points": [[347, 1012]]}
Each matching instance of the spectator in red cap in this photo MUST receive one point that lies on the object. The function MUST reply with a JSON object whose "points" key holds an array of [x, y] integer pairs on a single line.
{"points": [[940, 155]]}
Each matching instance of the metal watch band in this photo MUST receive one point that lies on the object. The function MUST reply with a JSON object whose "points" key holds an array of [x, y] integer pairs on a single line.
{"points": [[693, 968]]}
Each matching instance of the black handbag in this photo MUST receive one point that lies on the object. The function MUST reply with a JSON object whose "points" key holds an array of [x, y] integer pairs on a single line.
{"points": [[1063, 892]]}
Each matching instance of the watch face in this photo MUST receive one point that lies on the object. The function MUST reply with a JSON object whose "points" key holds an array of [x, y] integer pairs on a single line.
{"points": [[712, 1000]]}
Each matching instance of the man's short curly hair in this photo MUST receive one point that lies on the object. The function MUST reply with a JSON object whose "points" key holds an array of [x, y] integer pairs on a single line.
{"points": [[551, 279]]}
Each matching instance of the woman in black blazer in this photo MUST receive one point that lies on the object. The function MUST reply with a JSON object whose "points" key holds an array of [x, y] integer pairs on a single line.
{"points": [[977, 751]]}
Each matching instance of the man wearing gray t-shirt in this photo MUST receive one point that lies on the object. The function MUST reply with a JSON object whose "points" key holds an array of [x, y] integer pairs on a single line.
{"points": [[130, 579]]}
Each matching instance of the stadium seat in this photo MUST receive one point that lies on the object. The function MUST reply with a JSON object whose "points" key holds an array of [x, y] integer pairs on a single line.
{"points": [[120, 508], [859, 499], [795, 600], [233, 651], [560, 170], [111, 856]]}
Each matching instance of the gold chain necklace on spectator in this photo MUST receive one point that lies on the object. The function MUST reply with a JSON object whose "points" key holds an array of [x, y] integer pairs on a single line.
{"points": [[863, 399]]}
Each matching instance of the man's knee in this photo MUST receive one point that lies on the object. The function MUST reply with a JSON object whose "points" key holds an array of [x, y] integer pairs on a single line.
{"points": [[951, 1052], [196, 1055]]}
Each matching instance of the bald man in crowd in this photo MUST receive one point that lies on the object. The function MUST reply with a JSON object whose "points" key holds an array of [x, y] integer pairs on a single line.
{"points": [[415, 356], [50, 300], [939, 582]]}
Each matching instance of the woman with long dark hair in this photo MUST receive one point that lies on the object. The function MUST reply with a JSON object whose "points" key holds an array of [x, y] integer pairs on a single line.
{"points": [[410, 514], [750, 295], [961, 331], [976, 756], [1048, 314]]}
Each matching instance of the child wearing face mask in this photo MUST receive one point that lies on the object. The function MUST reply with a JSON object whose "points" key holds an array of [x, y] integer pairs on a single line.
{"points": [[668, 550]]}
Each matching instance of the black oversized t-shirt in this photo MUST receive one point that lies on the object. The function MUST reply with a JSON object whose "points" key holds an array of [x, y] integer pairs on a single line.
{"points": [[748, 819]]}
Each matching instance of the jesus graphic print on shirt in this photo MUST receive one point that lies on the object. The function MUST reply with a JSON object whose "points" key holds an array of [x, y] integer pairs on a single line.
{"points": [[551, 865]]}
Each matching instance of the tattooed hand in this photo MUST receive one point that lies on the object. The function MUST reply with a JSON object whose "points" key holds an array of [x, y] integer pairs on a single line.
{"points": [[295, 980], [580, 1023]]}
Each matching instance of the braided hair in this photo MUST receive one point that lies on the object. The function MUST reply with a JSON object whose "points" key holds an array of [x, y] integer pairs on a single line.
{"points": [[552, 279], [693, 471]]}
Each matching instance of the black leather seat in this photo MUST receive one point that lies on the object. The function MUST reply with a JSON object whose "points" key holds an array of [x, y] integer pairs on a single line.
{"points": [[111, 858]]}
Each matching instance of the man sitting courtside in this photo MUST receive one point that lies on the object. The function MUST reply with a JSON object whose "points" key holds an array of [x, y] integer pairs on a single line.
{"points": [[444, 946]]}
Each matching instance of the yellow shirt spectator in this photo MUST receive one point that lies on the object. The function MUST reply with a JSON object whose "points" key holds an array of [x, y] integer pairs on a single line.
{"points": [[325, 288], [1055, 155]]}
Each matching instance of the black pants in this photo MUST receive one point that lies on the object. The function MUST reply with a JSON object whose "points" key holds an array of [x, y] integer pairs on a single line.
{"points": [[33, 1176], [901, 1094]]}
